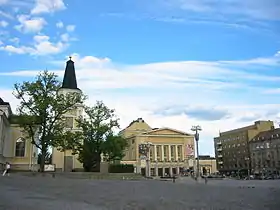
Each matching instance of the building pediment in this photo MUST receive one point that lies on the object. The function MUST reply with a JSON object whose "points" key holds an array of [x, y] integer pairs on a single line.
{"points": [[166, 131]]}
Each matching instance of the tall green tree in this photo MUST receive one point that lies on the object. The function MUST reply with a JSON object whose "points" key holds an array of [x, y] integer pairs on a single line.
{"points": [[114, 147], [97, 137], [41, 110]]}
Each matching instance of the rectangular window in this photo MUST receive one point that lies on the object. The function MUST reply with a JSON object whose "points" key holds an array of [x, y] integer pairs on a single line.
{"points": [[20, 148]]}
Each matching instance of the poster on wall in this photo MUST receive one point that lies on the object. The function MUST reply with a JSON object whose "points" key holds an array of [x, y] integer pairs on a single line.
{"points": [[189, 151], [142, 150], [49, 167]]}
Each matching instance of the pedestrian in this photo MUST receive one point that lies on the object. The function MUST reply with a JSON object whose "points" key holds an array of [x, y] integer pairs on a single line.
{"points": [[7, 169], [205, 179]]}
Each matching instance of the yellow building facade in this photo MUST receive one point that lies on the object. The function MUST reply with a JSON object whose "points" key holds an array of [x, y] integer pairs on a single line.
{"points": [[207, 165], [66, 161], [171, 151], [15, 148]]}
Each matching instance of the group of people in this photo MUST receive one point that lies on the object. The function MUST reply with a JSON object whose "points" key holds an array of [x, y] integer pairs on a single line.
{"points": [[7, 169]]}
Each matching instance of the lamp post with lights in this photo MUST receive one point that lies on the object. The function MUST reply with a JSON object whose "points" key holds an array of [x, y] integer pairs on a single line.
{"points": [[145, 150], [196, 129]]}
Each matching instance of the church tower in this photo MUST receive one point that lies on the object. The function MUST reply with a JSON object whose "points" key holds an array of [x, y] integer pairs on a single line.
{"points": [[65, 161], [69, 85]]}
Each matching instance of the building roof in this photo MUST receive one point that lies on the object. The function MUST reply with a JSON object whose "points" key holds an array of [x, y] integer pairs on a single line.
{"points": [[267, 135], [166, 128], [69, 79], [205, 157], [130, 124], [2, 102], [242, 129]]}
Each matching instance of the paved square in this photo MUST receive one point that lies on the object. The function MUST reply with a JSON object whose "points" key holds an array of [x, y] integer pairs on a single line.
{"points": [[46, 193]]}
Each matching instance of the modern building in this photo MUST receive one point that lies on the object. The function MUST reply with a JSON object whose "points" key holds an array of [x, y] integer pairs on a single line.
{"points": [[265, 152], [207, 164], [65, 161], [232, 147], [15, 148], [170, 151]]}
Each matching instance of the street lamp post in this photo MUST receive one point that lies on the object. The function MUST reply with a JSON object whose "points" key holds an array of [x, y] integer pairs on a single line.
{"points": [[197, 128]]}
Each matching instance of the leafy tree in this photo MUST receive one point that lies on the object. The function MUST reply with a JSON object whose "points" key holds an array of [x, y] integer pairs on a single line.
{"points": [[41, 110], [113, 147], [97, 137]]}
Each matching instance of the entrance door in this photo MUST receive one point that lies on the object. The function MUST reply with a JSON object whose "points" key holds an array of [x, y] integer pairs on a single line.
{"points": [[68, 163]]}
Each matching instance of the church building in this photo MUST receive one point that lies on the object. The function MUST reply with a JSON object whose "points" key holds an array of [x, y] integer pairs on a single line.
{"points": [[65, 161], [14, 147]]}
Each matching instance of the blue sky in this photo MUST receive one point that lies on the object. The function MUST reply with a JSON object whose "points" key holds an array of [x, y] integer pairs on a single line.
{"points": [[175, 63]]}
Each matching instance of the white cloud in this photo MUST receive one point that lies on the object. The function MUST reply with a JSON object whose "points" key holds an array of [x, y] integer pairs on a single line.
{"points": [[174, 94], [41, 38], [70, 28], [17, 50], [65, 37], [257, 9], [48, 6], [3, 23], [2, 2], [41, 46], [30, 24], [15, 40], [59, 24], [6, 15]]}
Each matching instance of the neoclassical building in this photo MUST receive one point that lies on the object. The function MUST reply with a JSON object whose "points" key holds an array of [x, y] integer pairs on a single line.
{"points": [[171, 151], [14, 147]]}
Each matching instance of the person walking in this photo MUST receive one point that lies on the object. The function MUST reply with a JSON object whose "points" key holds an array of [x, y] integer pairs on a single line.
{"points": [[7, 169]]}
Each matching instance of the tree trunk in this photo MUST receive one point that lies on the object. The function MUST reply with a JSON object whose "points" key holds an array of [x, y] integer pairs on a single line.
{"points": [[43, 159], [98, 160]]}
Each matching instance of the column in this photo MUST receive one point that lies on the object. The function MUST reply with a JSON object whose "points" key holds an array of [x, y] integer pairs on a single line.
{"points": [[155, 151], [162, 152], [169, 153], [177, 170], [156, 169], [183, 152], [176, 152], [170, 171], [138, 166]]}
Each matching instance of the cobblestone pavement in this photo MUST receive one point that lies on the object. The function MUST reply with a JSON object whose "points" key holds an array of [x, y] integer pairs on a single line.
{"points": [[46, 193]]}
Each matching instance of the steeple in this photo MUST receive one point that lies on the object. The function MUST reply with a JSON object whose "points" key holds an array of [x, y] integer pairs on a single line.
{"points": [[69, 79]]}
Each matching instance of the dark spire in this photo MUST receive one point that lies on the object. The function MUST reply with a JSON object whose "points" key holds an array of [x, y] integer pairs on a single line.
{"points": [[69, 79]]}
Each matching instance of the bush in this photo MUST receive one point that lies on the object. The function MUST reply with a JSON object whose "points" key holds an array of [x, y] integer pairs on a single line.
{"points": [[121, 168]]}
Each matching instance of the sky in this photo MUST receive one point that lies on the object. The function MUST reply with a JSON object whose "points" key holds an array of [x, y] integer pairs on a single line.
{"points": [[175, 63]]}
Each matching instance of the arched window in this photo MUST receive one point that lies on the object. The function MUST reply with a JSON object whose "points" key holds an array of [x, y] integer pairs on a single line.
{"points": [[20, 147]]}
